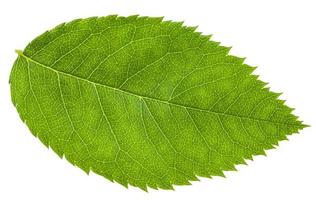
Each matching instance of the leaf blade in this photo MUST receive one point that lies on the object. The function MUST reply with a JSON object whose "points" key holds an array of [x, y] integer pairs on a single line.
{"points": [[191, 115]]}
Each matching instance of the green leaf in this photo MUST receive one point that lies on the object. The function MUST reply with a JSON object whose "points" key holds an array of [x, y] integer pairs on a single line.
{"points": [[145, 102]]}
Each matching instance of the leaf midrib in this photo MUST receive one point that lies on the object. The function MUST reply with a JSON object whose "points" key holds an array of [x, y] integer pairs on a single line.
{"points": [[20, 53]]}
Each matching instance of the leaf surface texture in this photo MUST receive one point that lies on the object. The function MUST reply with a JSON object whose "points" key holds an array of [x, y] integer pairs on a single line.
{"points": [[145, 102]]}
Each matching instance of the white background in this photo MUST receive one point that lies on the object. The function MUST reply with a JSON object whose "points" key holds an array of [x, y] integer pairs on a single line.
{"points": [[277, 36]]}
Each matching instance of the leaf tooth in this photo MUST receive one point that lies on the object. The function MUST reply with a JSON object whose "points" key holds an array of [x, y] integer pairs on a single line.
{"points": [[243, 59], [152, 186], [233, 168], [278, 94], [220, 173], [133, 17], [111, 17], [89, 19], [303, 124], [239, 60], [184, 182], [60, 25], [262, 151], [178, 24], [119, 17], [122, 181], [44, 141], [166, 22], [199, 34], [204, 42], [243, 160], [206, 38], [71, 23], [229, 48], [153, 20], [211, 174], [143, 17], [103, 174], [223, 49], [254, 68], [89, 170], [158, 19], [68, 158], [194, 177], [193, 28], [166, 186], [143, 187], [83, 168], [264, 85]]}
